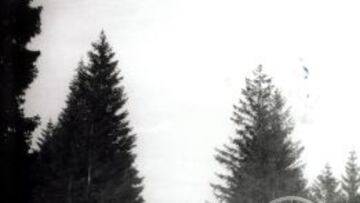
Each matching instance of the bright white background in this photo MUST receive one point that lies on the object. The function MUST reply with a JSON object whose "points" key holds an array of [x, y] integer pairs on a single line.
{"points": [[184, 64]]}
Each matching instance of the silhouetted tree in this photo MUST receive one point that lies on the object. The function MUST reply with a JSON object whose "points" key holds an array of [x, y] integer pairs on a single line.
{"points": [[48, 165], [19, 22], [262, 162], [93, 135], [326, 188], [351, 180]]}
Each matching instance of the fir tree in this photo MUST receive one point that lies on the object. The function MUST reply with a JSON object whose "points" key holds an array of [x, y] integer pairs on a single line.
{"points": [[46, 135], [45, 165], [351, 180], [93, 135], [326, 188], [19, 22], [262, 162]]}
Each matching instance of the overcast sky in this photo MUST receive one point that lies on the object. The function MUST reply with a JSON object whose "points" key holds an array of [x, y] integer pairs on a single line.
{"points": [[184, 64]]}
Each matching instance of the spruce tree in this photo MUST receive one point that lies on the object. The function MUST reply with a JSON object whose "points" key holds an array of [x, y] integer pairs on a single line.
{"points": [[326, 188], [351, 180], [45, 165], [19, 22], [262, 162], [93, 135]]}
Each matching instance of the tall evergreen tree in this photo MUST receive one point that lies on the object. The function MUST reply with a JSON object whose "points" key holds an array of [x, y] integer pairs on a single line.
{"points": [[19, 22], [351, 180], [262, 162], [45, 165], [93, 136], [326, 188]]}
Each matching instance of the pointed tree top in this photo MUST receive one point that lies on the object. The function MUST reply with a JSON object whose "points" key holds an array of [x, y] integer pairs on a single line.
{"points": [[102, 34], [102, 38]]}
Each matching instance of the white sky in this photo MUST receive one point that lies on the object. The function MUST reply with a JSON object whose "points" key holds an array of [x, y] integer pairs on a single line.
{"points": [[184, 64]]}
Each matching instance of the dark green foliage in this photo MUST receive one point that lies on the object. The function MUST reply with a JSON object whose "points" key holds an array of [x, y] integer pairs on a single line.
{"points": [[351, 180], [326, 188], [19, 22], [92, 142], [262, 162]]}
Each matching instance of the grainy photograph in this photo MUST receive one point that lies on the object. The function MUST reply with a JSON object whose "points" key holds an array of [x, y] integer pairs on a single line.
{"points": [[179, 101]]}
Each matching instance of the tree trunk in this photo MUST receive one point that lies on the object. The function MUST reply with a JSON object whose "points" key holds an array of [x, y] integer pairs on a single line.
{"points": [[89, 169], [89, 178], [69, 190]]}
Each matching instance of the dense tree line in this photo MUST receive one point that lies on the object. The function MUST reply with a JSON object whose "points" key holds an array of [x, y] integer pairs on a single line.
{"points": [[327, 188], [262, 161], [86, 155]]}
